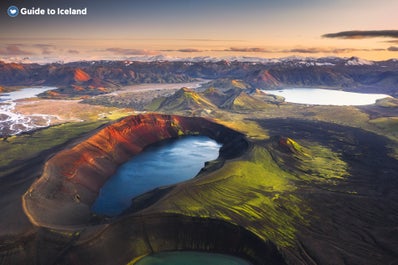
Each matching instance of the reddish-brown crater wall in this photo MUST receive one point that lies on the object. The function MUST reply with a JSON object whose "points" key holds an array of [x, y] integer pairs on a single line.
{"points": [[73, 177]]}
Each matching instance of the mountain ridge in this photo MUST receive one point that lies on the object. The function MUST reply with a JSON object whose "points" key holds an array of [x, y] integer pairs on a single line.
{"points": [[351, 74]]}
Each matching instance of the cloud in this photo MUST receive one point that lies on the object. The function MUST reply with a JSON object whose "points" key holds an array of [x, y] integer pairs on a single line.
{"points": [[247, 49], [392, 41], [73, 52], [311, 50], [189, 50], [45, 49], [46, 52], [328, 50], [393, 49], [358, 34], [210, 40], [305, 50], [44, 46], [122, 51], [13, 49], [183, 50]]}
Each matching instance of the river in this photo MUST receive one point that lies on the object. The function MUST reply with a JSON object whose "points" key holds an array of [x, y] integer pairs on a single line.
{"points": [[12, 122]]}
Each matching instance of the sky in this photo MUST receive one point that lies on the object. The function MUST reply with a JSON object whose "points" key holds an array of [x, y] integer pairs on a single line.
{"points": [[131, 29]]}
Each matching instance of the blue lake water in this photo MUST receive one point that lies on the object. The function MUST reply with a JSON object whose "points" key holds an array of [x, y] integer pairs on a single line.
{"points": [[191, 258], [315, 96], [165, 163]]}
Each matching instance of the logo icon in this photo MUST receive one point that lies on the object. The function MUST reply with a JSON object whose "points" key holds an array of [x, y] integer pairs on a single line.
{"points": [[13, 11]]}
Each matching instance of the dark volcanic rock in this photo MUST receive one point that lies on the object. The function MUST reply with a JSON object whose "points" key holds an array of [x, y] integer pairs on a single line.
{"points": [[135, 236], [354, 221]]}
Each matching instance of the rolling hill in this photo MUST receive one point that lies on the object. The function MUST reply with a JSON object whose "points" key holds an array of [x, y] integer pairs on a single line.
{"points": [[183, 100]]}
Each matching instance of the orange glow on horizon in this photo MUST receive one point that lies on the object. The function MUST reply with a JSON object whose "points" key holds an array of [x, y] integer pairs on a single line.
{"points": [[119, 49]]}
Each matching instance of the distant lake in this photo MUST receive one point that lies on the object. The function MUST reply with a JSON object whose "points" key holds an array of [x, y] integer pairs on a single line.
{"points": [[316, 96], [191, 258], [165, 163], [29, 92]]}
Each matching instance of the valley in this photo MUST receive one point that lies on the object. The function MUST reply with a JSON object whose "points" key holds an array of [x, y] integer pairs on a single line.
{"points": [[292, 184]]}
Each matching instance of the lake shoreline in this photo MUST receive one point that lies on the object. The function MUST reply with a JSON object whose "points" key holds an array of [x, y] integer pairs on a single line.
{"points": [[161, 164], [318, 96]]}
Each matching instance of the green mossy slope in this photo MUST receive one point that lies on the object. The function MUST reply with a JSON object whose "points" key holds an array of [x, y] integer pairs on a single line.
{"points": [[252, 191], [183, 100]]}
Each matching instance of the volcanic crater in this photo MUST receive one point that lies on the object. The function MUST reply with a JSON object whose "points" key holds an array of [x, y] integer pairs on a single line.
{"points": [[72, 178], [60, 200]]}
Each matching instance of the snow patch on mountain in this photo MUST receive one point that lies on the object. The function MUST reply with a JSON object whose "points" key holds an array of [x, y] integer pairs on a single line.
{"points": [[358, 61]]}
